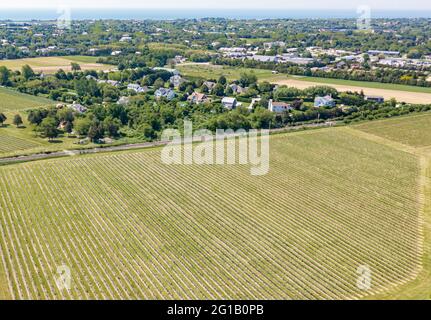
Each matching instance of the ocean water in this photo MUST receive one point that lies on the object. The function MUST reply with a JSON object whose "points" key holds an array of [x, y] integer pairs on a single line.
{"points": [[168, 14]]}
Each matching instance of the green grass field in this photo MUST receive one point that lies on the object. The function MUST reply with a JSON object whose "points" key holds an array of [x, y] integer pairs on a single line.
{"points": [[129, 226], [209, 71], [21, 141], [11, 100], [413, 130], [10, 143]]}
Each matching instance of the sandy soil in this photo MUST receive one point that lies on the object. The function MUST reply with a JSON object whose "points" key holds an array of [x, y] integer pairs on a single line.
{"points": [[402, 96]]}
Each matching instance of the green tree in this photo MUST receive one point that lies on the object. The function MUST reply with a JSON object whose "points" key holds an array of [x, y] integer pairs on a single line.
{"points": [[112, 126], [82, 125], [222, 80], [95, 132], [17, 120], [48, 128], [218, 90], [68, 127], [4, 75], [3, 118], [247, 78], [27, 72], [75, 66]]}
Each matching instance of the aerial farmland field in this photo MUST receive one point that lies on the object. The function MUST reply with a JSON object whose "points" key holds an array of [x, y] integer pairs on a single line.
{"points": [[11, 100], [52, 64], [413, 130], [129, 226]]}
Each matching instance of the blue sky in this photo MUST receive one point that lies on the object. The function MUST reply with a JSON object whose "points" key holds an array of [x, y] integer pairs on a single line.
{"points": [[198, 4]]}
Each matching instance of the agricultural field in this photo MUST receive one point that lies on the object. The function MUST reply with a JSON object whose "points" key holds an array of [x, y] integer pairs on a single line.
{"points": [[11, 100], [52, 64], [129, 226], [11, 143], [413, 130], [210, 71]]}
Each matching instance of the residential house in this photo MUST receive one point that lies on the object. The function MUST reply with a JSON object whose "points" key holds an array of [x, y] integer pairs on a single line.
{"points": [[237, 89], [110, 82], [137, 88], [125, 38], [90, 77], [78, 107], [176, 80], [261, 58], [386, 53], [378, 99], [179, 59], [253, 103], [270, 45], [209, 84], [169, 94], [229, 103], [326, 101], [197, 98], [278, 107]]}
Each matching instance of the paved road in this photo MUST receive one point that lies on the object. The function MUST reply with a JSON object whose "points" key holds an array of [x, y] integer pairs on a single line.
{"points": [[66, 153]]}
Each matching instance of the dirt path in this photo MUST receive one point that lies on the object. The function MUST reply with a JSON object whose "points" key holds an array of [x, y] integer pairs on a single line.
{"points": [[402, 96], [124, 147]]}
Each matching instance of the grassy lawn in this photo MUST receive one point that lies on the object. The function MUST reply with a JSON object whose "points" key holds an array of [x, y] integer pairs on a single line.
{"points": [[19, 141], [11, 100]]}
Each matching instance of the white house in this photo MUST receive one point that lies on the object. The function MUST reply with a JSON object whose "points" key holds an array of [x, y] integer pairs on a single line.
{"points": [[166, 93], [137, 88], [125, 38], [229, 103], [326, 101], [78, 107], [176, 80], [278, 107], [253, 103]]}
